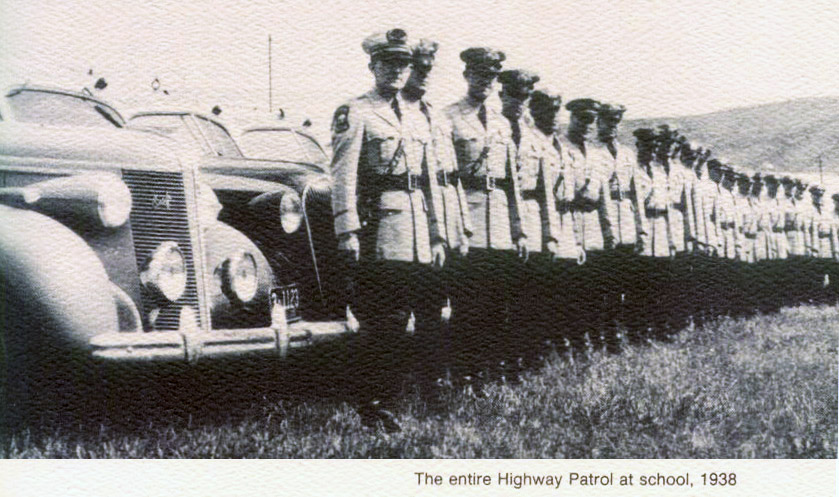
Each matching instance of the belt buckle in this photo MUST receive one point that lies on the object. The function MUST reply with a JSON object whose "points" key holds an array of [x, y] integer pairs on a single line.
{"points": [[412, 181], [445, 178], [490, 183]]}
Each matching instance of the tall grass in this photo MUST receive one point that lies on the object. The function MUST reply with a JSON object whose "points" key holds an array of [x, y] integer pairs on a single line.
{"points": [[763, 387]]}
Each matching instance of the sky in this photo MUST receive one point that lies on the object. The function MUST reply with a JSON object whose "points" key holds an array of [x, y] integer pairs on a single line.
{"points": [[659, 58]]}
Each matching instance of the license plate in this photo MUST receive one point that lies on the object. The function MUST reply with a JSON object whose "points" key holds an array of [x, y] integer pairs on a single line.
{"points": [[289, 297]]}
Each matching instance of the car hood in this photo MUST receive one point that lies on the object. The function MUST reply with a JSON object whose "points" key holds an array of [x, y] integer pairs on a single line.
{"points": [[86, 148], [295, 174]]}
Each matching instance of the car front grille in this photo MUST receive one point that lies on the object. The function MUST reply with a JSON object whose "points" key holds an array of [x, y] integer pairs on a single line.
{"points": [[159, 214]]}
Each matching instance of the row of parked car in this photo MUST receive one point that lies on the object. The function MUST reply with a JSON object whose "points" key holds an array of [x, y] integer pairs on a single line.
{"points": [[158, 238]]}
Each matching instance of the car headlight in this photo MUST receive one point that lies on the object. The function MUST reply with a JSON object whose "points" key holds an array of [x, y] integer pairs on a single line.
{"points": [[291, 212], [239, 280], [165, 271]]}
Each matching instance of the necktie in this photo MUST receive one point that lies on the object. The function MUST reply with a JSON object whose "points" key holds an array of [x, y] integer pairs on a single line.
{"points": [[516, 132], [424, 109], [395, 104], [482, 115], [612, 149]]}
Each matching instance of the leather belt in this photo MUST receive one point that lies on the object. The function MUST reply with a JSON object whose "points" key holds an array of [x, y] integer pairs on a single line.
{"points": [[531, 195], [655, 212], [485, 183], [445, 178], [406, 182]]}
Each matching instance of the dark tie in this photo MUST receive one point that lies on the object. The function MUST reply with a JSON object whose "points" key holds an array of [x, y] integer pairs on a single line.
{"points": [[395, 104], [482, 115], [516, 132], [612, 149], [424, 109]]}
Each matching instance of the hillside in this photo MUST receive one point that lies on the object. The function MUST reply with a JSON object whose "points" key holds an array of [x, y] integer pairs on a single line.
{"points": [[789, 135]]}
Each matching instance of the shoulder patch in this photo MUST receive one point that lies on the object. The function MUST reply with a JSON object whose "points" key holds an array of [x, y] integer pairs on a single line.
{"points": [[341, 121]]}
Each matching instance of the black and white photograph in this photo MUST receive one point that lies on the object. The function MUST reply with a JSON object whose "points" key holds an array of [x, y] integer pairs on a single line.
{"points": [[419, 230]]}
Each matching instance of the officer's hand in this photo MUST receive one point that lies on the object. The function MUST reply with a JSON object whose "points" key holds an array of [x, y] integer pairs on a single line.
{"points": [[521, 248], [464, 246], [672, 251], [581, 255], [553, 248], [348, 245], [438, 254]]}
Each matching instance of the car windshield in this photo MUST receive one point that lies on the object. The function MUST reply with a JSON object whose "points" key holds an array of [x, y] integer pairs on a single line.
{"points": [[174, 126], [59, 109], [283, 144], [219, 138]]}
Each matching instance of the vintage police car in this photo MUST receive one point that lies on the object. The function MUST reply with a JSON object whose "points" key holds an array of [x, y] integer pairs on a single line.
{"points": [[117, 245]]}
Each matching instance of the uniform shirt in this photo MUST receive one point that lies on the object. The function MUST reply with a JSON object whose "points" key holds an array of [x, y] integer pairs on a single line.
{"points": [[626, 215], [456, 220], [591, 189], [775, 207], [747, 210], [484, 152], [370, 143]]}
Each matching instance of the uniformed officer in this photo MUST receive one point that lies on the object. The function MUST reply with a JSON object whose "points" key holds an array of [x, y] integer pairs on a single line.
{"points": [[536, 167], [653, 189], [386, 217], [702, 196], [627, 222], [544, 109], [455, 222], [824, 245], [486, 153], [591, 181], [567, 282]]}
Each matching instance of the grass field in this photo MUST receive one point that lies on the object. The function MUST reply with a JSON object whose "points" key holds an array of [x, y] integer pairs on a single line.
{"points": [[762, 387]]}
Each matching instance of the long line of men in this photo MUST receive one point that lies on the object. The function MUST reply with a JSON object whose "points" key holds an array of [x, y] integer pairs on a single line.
{"points": [[491, 213]]}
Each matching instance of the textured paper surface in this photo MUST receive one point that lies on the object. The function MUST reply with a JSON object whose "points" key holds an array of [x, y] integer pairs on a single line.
{"points": [[657, 58]]}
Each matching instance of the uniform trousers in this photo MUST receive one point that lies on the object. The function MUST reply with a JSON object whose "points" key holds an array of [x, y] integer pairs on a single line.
{"points": [[483, 320], [383, 295]]}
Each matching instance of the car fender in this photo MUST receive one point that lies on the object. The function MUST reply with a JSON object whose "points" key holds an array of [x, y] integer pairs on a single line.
{"points": [[221, 241], [55, 291]]}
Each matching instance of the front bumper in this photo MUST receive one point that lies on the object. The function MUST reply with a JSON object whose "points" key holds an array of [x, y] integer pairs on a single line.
{"points": [[192, 346]]}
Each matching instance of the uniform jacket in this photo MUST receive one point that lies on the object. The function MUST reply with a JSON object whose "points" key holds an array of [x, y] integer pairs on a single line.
{"points": [[748, 209], [726, 220], [456, 220], [536, 168], [626, 218], [793, 225], [370, 143], [703, 193], [822, 230], [678, 205], [496, 214], [590, 209], [563, 191], [775, 207], [656, 207]]}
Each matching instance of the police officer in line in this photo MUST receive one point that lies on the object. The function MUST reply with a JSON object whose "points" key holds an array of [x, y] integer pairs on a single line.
{"points": [[443, 287], [486, 152], [387, 218], [544, 108], [536, 167], [627, 223]]}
